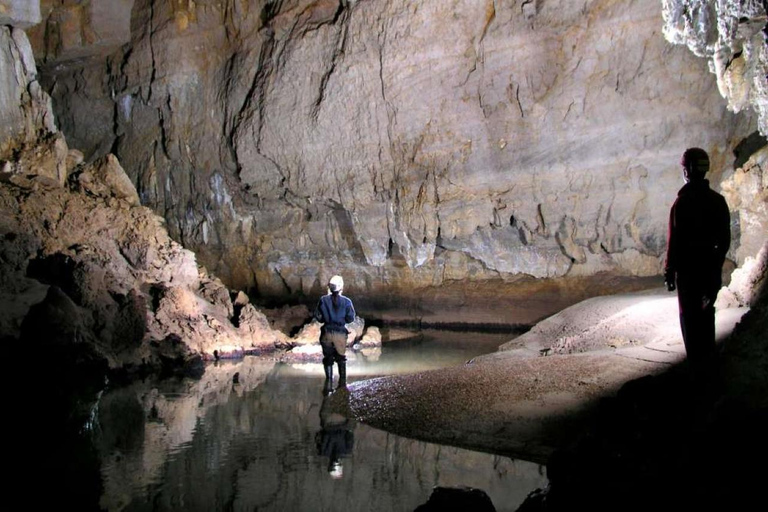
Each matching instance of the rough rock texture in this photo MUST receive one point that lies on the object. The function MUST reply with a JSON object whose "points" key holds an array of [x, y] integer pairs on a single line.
{"points": [[367, 138], [288, 319], [20, 13], [747, 194], [118, 280], [25, 109], [83, 267], [74, 29], [732, 35], [746, 282]]}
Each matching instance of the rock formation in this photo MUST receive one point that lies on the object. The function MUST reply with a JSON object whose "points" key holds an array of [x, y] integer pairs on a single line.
{"points": [[84, 267], [117, 281], [732, 35], [410, 146]]}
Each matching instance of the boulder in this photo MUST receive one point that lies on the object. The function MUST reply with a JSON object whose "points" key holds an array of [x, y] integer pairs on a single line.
{"points": [[106, 178], [44, 157], [288, 319], [371, 338]]}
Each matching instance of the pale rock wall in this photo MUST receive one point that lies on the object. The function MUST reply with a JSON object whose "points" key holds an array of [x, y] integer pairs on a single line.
{"points": [[405, 144], [746, 192], [84, 268], [732, 35], [25, 109], [20, 13]]}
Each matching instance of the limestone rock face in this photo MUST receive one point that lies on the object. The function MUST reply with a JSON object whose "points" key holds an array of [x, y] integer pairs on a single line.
{"points": [[747, 282], [84, 268], [25, 109], [19, 13], [106, 178], [406, 145], [732, 35], [746, 192], [73, 29]]}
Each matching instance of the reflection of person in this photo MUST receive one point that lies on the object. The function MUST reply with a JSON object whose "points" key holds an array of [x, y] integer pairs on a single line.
{"points": [[335, 439], [699, 238], [334, 311]]}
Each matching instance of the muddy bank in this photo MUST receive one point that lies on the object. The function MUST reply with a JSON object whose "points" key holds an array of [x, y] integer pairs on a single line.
{"points": [[532, 396]]}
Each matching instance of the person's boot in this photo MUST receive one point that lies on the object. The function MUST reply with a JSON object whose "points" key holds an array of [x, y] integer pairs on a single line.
{"points": [[342, 374], [328, 387]]}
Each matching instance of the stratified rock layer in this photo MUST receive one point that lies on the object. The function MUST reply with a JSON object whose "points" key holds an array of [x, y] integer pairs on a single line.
{"points": [[407, 145]]}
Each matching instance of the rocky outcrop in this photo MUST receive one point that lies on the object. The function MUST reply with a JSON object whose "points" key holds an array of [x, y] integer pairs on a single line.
{"points": [[747, 193], [504, 142], [25, 109], [732, 35], [85, 269], [75, 30], [117, 280]]}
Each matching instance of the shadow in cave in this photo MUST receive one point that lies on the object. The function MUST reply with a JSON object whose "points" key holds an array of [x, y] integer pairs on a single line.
{"points": [[56, 442], [684, 439]]}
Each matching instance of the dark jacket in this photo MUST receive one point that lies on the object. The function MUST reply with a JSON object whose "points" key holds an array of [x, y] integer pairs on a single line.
{"points": [[699, 236], [334, 316]]}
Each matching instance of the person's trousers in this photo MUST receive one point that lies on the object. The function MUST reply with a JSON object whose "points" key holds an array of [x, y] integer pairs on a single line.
{"points": [[334, 347], [697, 322]]}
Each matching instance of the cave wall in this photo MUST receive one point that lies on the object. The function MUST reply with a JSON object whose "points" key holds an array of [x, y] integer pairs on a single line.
{"points": [[88, 276], [25, 109], [407, 145], [731, 35]]}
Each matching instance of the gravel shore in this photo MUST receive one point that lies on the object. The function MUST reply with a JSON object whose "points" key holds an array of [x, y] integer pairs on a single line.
{"points": [[529, 398]]}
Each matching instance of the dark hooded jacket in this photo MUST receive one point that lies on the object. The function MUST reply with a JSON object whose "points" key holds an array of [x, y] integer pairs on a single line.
{"points": [[699, 236]]}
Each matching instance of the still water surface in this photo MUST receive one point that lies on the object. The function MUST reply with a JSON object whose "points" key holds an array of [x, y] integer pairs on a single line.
{"points": [[272, 441]]}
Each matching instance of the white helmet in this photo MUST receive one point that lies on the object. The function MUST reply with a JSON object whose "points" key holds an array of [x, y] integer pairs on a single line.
{"points": [[335, 470], [336, 284]]}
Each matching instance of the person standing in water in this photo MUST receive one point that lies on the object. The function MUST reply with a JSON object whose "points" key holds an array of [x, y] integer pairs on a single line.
{"points": [[334, 311], [699, 238]]}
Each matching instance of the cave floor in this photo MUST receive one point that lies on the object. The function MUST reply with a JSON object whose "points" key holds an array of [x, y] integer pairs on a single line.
{"points": [[532, 396]]}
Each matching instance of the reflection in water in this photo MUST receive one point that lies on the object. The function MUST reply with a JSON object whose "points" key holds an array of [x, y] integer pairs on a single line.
{"points": [[336, 436], [269, 442]]}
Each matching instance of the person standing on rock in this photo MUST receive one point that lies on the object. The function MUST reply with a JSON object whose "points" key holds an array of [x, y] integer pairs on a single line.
{"points": [[699, 238], [334, 311]]}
